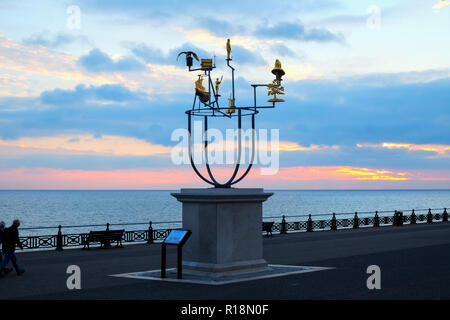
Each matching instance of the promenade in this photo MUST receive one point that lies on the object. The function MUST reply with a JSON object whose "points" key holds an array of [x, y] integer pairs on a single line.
{"points": [[414, 262]]}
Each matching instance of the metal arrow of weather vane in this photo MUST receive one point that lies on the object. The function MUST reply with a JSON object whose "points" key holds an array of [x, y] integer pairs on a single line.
{"points": [[206, 104]]}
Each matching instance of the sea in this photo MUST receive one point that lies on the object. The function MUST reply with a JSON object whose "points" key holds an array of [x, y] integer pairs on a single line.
{"points": [[77, 211]]}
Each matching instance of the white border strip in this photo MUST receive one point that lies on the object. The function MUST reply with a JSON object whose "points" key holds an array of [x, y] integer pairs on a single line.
{"points": [[134, 275]]}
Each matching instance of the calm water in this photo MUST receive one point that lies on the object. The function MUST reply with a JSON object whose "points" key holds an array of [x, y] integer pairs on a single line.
{"points": [[51, 208]]}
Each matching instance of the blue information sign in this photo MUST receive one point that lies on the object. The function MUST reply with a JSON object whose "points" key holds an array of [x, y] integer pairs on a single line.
{"points": [[176, 236]]}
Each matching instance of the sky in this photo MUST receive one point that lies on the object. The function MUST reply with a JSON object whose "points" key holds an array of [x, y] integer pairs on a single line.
{"points": [[91, 91]]}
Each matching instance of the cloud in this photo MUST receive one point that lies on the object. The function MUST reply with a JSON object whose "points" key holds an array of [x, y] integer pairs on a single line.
{"points": [[345, 19], [221, 28], [144, 9], [82, 94], [441, 4], [58, 40], [98, 61], [155, 56], [97, 110], [283, 50], [440, 150], [293, 146], [320, 113], [297, 31], [44, 67], [84, 144], [346, 113]]}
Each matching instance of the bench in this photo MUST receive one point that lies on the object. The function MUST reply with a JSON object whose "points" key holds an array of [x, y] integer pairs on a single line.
{"points": [[105, 238], [267, 227]]}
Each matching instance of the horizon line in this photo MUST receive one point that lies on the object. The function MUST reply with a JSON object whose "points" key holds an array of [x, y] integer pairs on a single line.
{"points": [[396, 189]]}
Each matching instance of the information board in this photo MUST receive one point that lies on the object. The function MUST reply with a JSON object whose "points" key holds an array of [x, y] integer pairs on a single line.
{"points": [[176, 236]]}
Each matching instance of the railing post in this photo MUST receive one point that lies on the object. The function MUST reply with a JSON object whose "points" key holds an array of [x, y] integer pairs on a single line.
{"points": [[309, 225], [283, 225], [429, 216], [107, 244], [413, 217], [445, 216], [356, 221], [376, 220], [333, 222], [150, 233], [395, 222], [59, 239], [398, 218]]}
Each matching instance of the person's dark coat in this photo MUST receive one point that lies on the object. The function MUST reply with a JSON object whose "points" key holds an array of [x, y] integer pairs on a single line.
{"points": [[11, 239], [2, 235]]}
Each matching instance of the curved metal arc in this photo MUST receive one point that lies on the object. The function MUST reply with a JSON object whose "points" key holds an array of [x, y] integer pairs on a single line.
{"points": [[236, 169], [253, 154], [231, 181], [190, 154], [208, 169]]}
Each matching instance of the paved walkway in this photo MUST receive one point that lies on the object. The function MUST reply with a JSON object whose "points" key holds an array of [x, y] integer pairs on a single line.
{"points": [[414, 262]]}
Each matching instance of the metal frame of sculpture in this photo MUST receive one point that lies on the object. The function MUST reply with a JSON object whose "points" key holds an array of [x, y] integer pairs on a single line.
{"points": [[206, 104]]}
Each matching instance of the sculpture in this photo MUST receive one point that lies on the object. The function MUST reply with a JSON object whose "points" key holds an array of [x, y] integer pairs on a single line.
{"points": [[200, 90], [274, 89], [277, 70], [189, 60], [231, 109], [228, 50], [208, 105], [218, 82]]}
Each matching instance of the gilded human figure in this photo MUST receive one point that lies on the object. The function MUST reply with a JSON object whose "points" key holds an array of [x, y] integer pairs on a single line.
{"points": [[218, 82], [231, 108], [228, 50]]}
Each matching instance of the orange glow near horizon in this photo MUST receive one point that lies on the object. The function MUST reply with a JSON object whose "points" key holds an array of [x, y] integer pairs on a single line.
{"points": [[46, 178]]}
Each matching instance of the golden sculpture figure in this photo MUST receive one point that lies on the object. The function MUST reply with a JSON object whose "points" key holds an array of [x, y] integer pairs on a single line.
{"points": [[231, 108], [218, 82], [277, 70], [274, 89], [189, 57], [188, 54], [277, 64], [200, 90], [228, 50]]}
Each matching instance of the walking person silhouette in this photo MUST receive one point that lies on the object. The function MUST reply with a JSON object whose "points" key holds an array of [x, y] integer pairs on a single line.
{"points": [[10, 240]]}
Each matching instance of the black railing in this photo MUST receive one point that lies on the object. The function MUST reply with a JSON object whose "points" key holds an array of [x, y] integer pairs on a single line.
{"points": [[398, 218], [61, 240]]}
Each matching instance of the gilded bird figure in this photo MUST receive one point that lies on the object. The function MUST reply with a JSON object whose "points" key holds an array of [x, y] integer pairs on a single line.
{"points": [[188, 55]]}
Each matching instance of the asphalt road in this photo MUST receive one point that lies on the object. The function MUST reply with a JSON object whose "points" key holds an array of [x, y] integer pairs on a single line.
{"points": [[414, 263]]}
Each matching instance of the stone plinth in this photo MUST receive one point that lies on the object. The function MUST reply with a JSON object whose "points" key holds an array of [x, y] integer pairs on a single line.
{"points": [[226, 225]]}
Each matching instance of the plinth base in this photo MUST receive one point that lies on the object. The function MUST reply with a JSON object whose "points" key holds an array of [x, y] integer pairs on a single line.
{"points": [[226, 225], [217, 270]]}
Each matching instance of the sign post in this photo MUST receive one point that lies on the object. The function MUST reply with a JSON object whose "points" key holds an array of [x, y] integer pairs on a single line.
{"points": [[176, 237]]}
